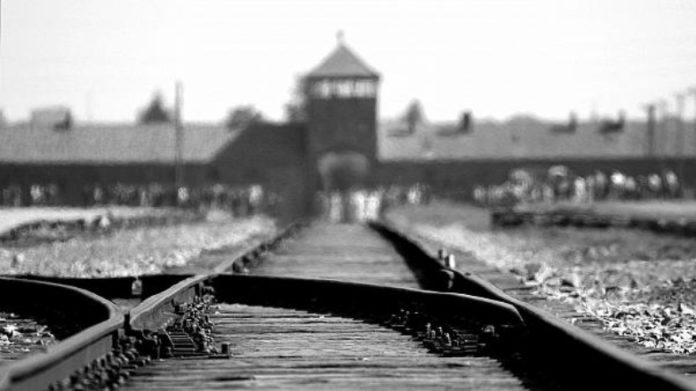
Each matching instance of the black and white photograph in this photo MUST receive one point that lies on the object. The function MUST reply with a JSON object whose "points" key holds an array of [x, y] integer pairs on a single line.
{"points": [[347, 195]]}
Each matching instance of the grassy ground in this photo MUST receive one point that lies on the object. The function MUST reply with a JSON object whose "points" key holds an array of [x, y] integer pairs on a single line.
{"points": [[638, 283], [133, 251], [12, 217]]}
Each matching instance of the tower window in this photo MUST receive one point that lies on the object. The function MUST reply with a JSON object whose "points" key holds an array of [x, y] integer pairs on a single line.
{"points": [[322, 89], [365, 88], [344, 88]]}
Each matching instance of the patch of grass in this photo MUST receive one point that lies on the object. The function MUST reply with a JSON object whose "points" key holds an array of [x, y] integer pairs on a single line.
{"points": [[134, 251]]}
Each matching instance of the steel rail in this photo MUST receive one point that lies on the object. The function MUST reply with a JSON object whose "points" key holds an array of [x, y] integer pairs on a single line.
{"points": [[159, 310], [328, 293], [38, 371], [563, 344], [112, 287]]}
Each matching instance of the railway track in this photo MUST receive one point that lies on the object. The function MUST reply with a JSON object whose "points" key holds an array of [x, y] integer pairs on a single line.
{"points": [[82, 320], [490, 282], [308, 333], [341, 306]]}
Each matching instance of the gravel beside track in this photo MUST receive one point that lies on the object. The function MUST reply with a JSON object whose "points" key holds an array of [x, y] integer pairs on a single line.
{"points": [[21, 335], [135, 251], [11, 218], [28, 227], [273, 348], [642, 306]]}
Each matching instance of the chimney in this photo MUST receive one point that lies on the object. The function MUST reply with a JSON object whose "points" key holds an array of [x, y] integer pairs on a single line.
{"points": [[650, 110], [572, 122], [465, 122], [621, 119], [56, 118]]}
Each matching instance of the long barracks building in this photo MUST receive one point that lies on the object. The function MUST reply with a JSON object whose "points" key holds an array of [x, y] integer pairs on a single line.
{"points": [[340, 144]]}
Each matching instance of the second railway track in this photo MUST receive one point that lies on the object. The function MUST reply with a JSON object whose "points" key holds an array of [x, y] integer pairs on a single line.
{"points": [[341, 307]]}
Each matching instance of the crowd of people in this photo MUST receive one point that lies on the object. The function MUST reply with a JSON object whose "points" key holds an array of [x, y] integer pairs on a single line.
{"points": [[353, 205], [523, 185], [241, 200], [560, 184], [368, 204]]}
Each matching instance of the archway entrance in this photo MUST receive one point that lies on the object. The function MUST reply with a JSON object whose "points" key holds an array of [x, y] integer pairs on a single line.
{"points": [[343, 175], [342, 171]]}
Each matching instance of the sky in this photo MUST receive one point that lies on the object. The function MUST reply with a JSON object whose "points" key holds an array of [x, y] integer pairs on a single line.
{"points": [[105, 58]]}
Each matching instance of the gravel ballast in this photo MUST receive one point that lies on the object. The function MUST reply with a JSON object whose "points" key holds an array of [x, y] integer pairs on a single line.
{"points": [[638, 284], [134, 251], [21, 335]]}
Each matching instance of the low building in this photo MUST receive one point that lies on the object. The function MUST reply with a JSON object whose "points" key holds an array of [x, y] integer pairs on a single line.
{"points": [[341, 144]]}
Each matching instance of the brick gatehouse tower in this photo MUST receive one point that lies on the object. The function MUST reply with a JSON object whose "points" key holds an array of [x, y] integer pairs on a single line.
{"points": [[341, 99]]}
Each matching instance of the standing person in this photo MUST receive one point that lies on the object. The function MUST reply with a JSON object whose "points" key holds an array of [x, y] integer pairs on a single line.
{"points": [[600, 185], [255, 198], [671, 182], [579, 190], [617, 184], [335, 207], [479, 194], [98, 195], [655, 185], [346, 206], [373, 205], [590, 188], [547, 194], [564, 188], [143, 197]]}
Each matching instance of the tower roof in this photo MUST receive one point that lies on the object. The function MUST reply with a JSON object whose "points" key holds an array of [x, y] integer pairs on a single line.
{"points": [[342, 62]]}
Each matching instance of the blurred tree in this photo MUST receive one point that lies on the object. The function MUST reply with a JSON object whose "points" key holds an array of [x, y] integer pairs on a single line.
{"points": [[573, 121], [464, 124], [295, 110], [242, 116], [155, 112], [414, 116]]}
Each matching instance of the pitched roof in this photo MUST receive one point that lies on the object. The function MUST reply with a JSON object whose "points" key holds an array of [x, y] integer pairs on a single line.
{"points": [[342, 62], [111, 143], [522, 138]]}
